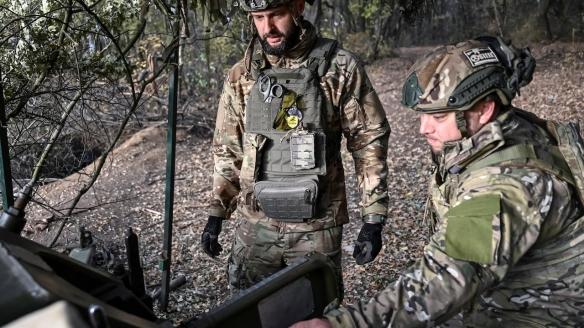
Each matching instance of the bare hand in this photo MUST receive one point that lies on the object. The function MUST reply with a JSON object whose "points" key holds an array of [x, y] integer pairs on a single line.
{"points": [[314, 323]]}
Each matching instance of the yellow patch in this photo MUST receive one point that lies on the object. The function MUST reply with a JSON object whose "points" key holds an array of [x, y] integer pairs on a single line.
{"points": [[292, 121]]}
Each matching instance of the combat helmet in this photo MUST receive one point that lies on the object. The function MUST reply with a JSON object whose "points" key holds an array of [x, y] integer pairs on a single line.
{"points": [[455, 77], [258, 5]]}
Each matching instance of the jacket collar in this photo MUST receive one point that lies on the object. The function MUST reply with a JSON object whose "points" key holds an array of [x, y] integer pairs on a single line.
{"points": [[459, 154]]}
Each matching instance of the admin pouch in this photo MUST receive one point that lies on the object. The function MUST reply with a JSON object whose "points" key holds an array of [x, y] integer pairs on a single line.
{"points": [[287, 201], [286, 107]]}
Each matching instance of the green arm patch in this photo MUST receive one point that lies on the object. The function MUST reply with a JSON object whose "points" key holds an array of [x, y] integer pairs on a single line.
{"points": [[469, 229]]}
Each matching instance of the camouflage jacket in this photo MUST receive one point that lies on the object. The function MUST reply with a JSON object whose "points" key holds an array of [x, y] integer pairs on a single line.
{"points": [[507, 249], [354, 111]]}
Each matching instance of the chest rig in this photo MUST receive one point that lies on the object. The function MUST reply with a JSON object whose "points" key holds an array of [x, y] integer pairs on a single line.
{"points": [[286, 106]]}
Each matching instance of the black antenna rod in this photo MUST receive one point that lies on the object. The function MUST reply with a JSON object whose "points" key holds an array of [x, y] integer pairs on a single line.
{"points": [[5, 171]]}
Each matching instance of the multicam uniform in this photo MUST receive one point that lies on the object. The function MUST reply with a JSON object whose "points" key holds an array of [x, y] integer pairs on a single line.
{"points": [[263, 245], [508, 247]]}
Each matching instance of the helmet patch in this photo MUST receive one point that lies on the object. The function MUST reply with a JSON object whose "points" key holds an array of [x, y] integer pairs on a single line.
{"points": [[257, 5], [480, 56]]}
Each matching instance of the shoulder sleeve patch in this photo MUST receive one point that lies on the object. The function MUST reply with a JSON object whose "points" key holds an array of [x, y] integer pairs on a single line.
{"points": [[472, 229]]}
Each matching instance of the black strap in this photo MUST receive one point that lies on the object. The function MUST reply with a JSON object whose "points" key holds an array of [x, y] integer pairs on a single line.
{"points": [[320, 56]]}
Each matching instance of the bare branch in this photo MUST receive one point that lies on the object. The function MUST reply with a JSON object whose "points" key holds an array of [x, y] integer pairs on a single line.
{"points": [[109, 34], [57, 132], [99, 166]]}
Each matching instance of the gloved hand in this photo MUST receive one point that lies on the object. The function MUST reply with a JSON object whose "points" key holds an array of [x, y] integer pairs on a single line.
{"points": [[210, 236], [368, 243]]}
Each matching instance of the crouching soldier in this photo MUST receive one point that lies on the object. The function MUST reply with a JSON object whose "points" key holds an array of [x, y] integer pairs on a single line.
{"points": [[507, 248]]}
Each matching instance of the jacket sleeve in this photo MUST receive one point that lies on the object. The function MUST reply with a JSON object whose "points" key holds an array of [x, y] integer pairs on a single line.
{"points": [[491, 225], [227, 153], [366, 129]]}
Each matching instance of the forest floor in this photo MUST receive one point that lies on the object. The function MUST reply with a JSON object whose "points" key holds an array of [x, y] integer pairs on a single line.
{"points": [[130, 190]]}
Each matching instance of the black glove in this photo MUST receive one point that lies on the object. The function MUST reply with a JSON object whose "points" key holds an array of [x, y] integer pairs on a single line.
{"points": [[368, 243], [210, 236]]}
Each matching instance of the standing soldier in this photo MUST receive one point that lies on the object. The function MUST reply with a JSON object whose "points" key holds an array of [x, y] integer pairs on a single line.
{"points": [[277, 147], [508, 246]]}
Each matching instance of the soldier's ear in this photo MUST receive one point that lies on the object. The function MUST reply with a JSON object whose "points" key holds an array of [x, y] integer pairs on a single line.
{"points": [[488, 110]]}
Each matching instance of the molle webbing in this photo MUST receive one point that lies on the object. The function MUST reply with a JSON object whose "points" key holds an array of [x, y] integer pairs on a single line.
{"points": [[261, 116], [288, 106], [304, 82]]}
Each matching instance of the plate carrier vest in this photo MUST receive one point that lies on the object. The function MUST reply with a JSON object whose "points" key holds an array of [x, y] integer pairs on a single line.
{"points": [[285, 107]]}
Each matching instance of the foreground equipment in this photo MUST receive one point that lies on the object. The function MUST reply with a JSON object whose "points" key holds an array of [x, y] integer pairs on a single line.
{"points": [[40, 284], [300, 291], [34, 276]]}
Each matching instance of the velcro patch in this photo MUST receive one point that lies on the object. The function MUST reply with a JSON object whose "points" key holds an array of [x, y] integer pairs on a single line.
{"points": [[469, 229], [481, 56]]}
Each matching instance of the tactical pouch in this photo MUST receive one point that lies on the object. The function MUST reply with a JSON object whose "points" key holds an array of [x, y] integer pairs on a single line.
{"points": [[291, 201], [302, 153]]}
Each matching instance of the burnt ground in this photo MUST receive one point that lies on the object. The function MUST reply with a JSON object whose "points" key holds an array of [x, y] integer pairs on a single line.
{"points": [[130, 191]]}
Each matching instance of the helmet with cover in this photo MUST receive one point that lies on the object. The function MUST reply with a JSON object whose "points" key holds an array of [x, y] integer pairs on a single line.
{"points": [[259, 5], [455, 77]]}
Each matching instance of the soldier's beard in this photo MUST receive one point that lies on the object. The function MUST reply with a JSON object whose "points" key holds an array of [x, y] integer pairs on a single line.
{"points": [[287, 43]]}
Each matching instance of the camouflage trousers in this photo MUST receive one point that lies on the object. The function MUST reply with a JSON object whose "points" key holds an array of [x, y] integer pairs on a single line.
{"points": [[260, 250]]}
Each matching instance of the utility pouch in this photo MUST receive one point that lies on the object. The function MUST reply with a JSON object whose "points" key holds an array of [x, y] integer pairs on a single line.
{"points": [[291, 201], [302, 155]]}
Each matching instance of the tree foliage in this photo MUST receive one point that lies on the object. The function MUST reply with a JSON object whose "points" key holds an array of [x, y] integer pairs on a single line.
{"points": [[71, 83], [76, 74]]}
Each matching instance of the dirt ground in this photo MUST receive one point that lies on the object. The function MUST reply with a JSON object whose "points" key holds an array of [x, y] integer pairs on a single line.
{"points": [[130, 191]]}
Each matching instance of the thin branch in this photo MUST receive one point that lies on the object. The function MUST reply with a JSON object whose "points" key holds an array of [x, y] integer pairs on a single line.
{"points": [[99, 165], [142, 26], [56, 215], [56, 133], [109, 34]]}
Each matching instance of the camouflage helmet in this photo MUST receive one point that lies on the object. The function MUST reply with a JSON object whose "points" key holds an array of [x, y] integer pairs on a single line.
{"points": [[455, 77], [259, 5]]}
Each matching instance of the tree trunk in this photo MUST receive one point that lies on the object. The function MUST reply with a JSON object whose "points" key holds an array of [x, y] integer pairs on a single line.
{"points": [[342, 7], [360, 25], [314, 13], [542, 18], [498, 18], [379, 29]]}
